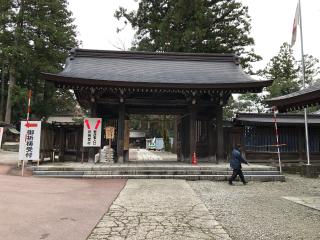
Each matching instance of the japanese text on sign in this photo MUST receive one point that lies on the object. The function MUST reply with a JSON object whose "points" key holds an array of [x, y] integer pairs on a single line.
{"points": [[109, 132], [29, 147], [92, 132]]}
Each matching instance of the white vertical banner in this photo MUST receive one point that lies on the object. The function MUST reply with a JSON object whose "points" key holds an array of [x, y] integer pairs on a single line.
{"points": [[29, 147], [1, 135], [92, 132]]}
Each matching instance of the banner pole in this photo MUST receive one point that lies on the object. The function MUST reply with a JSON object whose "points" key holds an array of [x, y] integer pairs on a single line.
{"points": [[277, 136]]}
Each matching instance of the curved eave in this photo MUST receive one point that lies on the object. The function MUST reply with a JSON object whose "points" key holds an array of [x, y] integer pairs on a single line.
{"points": [[295, 102], [59, 80]]}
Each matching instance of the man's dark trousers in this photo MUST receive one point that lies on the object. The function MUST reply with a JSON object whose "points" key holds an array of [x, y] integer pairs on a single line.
{"points": [[234, 175]]}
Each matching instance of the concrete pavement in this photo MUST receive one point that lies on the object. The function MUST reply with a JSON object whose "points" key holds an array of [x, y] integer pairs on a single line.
{"points": [[140, 155], [158, 209], [311, 202]]}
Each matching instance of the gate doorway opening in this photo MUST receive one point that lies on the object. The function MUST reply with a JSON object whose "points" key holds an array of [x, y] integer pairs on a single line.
{"points": [[152, 138]]}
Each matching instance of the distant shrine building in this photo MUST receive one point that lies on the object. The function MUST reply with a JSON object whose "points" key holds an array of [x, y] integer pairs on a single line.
{"points": [[194, 87]]}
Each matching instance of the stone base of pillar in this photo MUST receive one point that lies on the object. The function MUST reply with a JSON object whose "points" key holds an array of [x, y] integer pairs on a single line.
{"points": [[126, 156], [309, 171], [120, 159]]}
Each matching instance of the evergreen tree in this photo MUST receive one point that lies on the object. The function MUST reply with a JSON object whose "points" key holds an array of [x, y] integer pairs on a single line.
{"points": [[283, 70], [312, 71], [250, 102], [287, 75], [6, 40], [201, 26], [43, 33]]}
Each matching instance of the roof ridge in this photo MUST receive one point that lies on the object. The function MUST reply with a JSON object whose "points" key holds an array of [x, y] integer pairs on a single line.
{"points": [[220, 57]]}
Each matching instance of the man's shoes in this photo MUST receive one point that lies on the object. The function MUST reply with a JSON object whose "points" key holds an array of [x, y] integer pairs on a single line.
{"points": [[230, 182], [245, 183]]}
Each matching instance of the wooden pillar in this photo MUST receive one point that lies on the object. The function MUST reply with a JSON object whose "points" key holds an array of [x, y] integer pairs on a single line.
{"points": [[184, 137], [126, 141], [60, 143], [178, 138], [211, 152], [77, 143], [120, 134], [219, 138], [192, 131]]}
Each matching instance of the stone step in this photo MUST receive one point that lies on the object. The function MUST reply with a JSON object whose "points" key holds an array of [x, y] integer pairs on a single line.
{"points": [[263, 178], [150, 172], [146, 168], [11, 146]]}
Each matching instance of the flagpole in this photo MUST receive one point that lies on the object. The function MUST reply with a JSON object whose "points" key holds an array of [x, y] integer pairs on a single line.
{"points": [[304, 86]]}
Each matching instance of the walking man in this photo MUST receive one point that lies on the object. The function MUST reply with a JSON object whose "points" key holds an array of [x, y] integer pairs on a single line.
{"points": [[235, 164]]}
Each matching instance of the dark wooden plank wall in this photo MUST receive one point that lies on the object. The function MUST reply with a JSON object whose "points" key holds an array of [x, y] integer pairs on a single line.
{"points": [[258, 139]]}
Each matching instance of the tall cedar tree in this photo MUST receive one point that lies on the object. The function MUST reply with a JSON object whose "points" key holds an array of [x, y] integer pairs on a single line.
{"points": [[283, 70], [312, 71], [287, 75], [201, 26], [43, 33], [6, 39]]}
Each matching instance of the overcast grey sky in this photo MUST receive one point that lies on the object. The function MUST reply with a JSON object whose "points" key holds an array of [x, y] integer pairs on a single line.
{"points": [[271, 25]]}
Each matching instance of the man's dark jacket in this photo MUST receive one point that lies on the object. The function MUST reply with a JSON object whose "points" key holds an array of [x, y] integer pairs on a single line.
{"points": [[236, 159]]}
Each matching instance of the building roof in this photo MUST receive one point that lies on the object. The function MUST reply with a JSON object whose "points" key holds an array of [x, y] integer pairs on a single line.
{"points": [[307, 97], [268, 118], [145, 69]]}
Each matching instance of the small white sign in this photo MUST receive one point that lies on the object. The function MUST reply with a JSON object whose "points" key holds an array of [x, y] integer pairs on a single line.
{"points": [[30, 133], [92, 132], [1, 135]]}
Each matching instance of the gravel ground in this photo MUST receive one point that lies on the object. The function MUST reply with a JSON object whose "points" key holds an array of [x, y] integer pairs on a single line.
{"points": [[258, 211]]}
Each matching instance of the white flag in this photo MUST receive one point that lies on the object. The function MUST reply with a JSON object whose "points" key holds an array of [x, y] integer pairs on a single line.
{"points": [[296, 21]]}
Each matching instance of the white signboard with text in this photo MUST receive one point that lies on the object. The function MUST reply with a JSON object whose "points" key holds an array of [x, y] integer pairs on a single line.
{"points": [[1, 135], [92, 132], [29, 147]]}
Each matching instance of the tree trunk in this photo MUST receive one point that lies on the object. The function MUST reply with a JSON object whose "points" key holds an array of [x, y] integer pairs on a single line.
{"points": [[12, 82], [2, 93], [14, 61]]}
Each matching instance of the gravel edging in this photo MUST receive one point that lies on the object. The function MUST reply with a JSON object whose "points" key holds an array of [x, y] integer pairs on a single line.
{"points": [[258, 211]]}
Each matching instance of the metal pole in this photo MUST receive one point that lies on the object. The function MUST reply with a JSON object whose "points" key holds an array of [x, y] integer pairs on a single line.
{"points": [[29, 105], [304, 86], [277, 136]]}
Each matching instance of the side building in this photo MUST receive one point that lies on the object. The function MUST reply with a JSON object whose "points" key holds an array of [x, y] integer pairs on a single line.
{"points": [[259, 137]]}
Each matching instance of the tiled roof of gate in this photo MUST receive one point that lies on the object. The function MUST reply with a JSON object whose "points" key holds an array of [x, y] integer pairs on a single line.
{"points": [[159, 68]]}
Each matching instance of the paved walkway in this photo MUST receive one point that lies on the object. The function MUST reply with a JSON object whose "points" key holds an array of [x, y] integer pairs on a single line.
{"points": [[53, 209], [158, 209], [9, 158], [311, 202], [147, 155]]}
